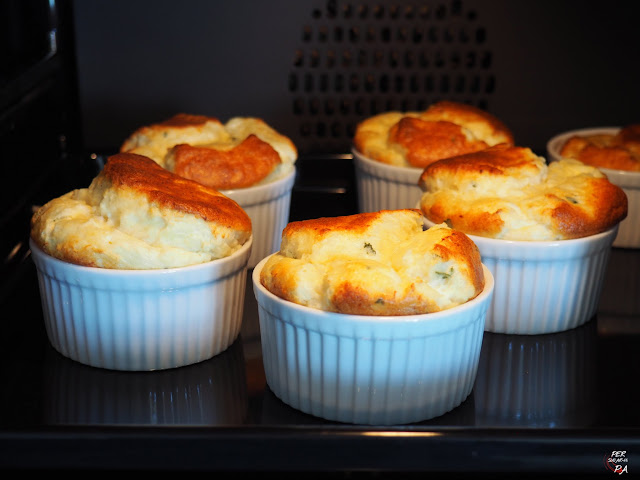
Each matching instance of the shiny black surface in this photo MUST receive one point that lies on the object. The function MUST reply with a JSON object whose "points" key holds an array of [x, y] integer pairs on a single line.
{"points": [[577, 397], [557, 403]]}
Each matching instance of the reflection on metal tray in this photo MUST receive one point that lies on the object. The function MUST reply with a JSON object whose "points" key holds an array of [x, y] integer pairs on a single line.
{"points": [[543, 403]]}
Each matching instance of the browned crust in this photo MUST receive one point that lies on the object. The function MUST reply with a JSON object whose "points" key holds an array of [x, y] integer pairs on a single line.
{"points": [[617, 158], [355, 300], [180, 120], [242, 166], [603, 206], [426, 141], [629, 135], [468, 113], [324, 225], [187, 120], [484, 223], [497, 161], [608, 204], [416, 139], [617, 152], [172, 191], [351, 297]]}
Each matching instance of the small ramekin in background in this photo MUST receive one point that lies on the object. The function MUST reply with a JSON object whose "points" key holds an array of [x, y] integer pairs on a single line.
{"points": [[142, 320], [385, 187], [366, 369], [268, 207], [212, 392], [545, 286], [539, 381], [629, 231]]}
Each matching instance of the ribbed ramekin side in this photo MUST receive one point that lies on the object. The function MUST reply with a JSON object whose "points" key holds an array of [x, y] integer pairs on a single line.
{"points": [[143, 330], [268, 220], [369, 381], [537, 297], [377, 191]]}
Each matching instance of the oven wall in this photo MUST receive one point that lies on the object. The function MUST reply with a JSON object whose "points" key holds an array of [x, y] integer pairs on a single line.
{"points": [[314, 68], [40, 127]]}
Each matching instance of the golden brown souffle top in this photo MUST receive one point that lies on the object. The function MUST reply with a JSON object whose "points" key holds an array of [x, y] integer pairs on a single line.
{"points": [[239, 167], [620, 151], [374, 263], [511, 193], [416, 139], [165, 188], [137, 215], [243, 152]]}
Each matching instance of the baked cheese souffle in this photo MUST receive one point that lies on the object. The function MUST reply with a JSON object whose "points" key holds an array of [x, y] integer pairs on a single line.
{"points": [[137, 215], [416, 139], [376, 263], [617, 151], [243, 152], [508, 192]]}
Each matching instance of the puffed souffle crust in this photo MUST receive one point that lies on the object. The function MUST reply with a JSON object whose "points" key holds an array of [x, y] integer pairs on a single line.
{"points": [[617, 151], [508, 192], [137, 215], [243, 152], [416, 139], [375, 263]]}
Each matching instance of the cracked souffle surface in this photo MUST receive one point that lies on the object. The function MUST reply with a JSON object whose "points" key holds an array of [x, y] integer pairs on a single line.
{"points": [[137, 215], [378, 263], [508, 192], [619, 151], [416, 139], [243, 152]]}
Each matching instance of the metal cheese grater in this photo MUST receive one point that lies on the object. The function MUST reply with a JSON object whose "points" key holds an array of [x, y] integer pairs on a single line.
{"points": [[359, 58]]}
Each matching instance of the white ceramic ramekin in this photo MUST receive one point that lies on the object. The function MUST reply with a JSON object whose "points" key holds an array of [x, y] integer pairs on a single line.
{"points": [[540, 381], [142, 319], [385, 187], [209, 393], [629, 231], [370, 370], [268, 207], [544, 287]]}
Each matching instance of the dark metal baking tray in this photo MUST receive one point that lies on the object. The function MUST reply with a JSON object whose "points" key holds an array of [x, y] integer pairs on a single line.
{"points": [[576, 401]]}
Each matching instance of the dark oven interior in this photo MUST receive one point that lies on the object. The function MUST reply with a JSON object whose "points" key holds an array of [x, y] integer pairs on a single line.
{"points": [[78, 77]]}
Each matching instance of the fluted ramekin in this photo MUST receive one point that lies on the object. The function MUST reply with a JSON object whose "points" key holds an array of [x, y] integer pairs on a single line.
{"points": [[142, 319], [385, 187], [547, 286], [366, 369], [629, 231], [268, 207]]}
